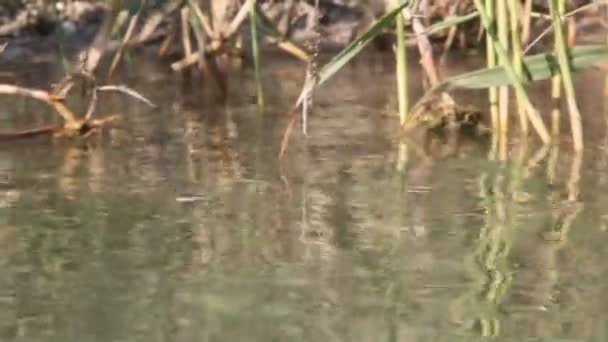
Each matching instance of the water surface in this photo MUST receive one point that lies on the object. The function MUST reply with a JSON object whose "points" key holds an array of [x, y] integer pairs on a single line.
{"points": [[181, 224]]}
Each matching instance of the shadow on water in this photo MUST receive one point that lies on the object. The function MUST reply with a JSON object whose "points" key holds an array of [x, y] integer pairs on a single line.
{"points": [[181, 224]]}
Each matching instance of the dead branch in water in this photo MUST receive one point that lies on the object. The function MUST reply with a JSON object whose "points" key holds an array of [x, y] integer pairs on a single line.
{"points": [[30, 133], [72, 126], [86, 129]]}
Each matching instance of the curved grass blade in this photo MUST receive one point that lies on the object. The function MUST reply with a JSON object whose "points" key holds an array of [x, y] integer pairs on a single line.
{"points": [[349, 52]]}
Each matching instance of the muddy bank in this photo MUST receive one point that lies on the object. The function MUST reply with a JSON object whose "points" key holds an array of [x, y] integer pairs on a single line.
{"points": [[18, 18], [37, 27], [337, 22]]}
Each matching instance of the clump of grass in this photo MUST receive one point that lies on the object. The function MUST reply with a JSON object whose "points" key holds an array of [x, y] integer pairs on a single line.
{"points": [[502, 22], [531, 112]]}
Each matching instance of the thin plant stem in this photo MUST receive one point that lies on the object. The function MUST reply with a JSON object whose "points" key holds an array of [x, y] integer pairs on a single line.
{"points": [[402, 91], [502, 23], [256, 56], [556, 94], [514, 15], [491, 59], [566, 73], [128, 34], [532, 113], [185, 27], [526, 21]]}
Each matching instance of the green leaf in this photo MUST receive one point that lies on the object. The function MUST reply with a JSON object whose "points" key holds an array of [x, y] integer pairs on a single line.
{"points": [[349, 52], [536, 68]]}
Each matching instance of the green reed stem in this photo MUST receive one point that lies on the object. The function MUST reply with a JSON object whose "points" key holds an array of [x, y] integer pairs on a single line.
{"points": [[493, 91], [402, 89], [517, 52], [556, 94], [256, 56], [502, 26], [561, 46], [491, 59], [532, 113], [526, 21]]}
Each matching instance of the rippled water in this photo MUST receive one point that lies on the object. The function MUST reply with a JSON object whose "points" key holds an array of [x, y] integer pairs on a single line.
{"points": [[181, 224]]}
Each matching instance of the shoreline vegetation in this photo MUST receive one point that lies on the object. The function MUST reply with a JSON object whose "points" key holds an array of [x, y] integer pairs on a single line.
{"points": [[525, 41]]}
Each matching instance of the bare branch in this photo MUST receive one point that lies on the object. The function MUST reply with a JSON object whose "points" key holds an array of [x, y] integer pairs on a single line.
{"points": [[92, 105], [37, 94], [40, 95], [238, 19]]}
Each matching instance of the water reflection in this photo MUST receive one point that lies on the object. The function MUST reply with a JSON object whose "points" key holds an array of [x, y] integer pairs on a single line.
{"points": [[182, 224]]}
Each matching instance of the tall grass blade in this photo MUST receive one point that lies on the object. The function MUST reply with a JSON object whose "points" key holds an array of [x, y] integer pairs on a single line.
{"points": [[349, 52]]}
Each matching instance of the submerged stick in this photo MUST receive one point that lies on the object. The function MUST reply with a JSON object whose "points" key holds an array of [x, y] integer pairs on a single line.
{"points": [[286, 136], [84, 130], [30, 133]]}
